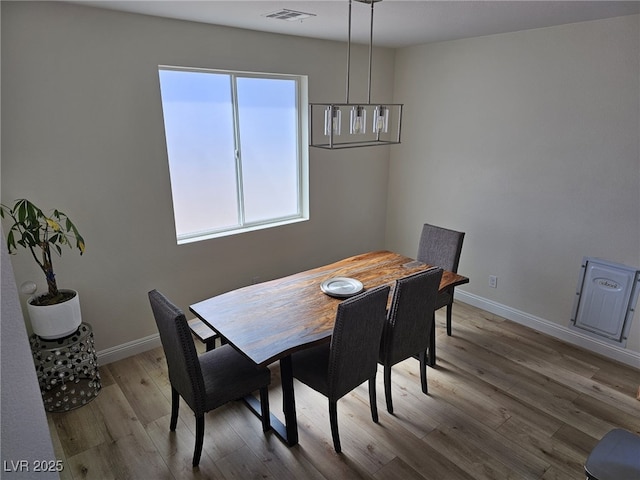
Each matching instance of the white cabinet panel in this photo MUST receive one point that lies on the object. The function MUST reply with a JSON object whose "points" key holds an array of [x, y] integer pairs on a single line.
{"points": [[605, 299]]}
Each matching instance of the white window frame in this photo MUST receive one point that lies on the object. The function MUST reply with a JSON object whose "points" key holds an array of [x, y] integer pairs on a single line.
{"points": [[302, 103]]}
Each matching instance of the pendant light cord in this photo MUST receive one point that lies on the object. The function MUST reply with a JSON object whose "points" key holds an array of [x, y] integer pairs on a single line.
{"points": [[349, 52], [370, 54]]}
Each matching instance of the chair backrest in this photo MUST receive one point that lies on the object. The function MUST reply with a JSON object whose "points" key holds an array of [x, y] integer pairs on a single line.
{"points": [[408, 326], [440, 247], [183, 365], [353, 355]]}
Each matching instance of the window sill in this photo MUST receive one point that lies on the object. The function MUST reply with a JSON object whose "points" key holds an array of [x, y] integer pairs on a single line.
{"points": [[237, 231]]}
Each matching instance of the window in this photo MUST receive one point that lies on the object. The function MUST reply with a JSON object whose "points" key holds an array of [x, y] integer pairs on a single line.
{"points": [[236, 144]]}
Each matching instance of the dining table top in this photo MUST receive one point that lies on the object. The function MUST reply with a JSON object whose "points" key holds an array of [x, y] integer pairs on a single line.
{"points": [[273, 319]]}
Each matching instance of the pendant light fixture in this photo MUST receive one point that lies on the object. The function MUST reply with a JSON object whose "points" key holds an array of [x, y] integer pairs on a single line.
{"points": [[325, 119]]}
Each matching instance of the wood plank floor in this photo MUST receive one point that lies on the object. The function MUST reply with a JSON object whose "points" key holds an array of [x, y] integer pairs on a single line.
{"points": [[504, 402]]}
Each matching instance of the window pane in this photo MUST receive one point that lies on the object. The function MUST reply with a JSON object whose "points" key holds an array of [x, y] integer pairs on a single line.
{"points": [[268, 140], [198, 119], [233, 145]]}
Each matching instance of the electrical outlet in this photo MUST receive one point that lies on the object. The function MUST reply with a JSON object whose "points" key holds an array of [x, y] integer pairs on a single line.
{"points": [[493, 281]]}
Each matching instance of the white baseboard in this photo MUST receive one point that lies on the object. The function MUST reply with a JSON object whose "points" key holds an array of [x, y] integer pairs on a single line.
{"points": [[552, 329], [128, 349]]}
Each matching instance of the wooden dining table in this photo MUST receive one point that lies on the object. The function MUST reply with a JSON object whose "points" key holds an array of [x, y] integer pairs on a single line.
{"points": [[269, 321]]}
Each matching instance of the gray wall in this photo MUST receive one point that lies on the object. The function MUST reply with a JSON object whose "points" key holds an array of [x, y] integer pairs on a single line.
{"points": [[25, 433], [82, 131], [528, 142]]}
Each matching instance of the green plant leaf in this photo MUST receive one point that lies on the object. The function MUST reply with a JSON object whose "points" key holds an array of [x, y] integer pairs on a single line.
{"points": [[22, 212], [40, 233], [11, 241]]}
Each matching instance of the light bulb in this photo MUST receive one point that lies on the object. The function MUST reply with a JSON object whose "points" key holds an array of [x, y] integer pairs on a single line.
{"points": [[332, 120], [357, 124], [381, 119], [358, 120]]}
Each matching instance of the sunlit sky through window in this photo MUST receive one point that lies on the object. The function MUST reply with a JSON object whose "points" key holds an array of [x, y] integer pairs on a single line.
{"points": [[201, 145]]}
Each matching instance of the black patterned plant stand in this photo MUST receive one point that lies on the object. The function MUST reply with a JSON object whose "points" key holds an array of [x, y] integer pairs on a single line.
{"points": [[67, 369]]}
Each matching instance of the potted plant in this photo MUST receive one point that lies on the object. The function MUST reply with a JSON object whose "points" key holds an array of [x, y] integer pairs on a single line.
{"points": [[56, 313]]}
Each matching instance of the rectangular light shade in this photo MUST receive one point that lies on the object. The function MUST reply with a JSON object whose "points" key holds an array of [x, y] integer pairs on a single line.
{"points": [[384, 128]]}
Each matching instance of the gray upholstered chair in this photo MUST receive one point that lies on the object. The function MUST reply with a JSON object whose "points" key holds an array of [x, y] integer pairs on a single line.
{"points": [[408, 327], [441, 247], [615, 457], [207, 381], [351, 358]]}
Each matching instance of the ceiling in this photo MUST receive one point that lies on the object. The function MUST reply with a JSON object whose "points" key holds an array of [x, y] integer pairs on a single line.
{"points": [[397, 23]]}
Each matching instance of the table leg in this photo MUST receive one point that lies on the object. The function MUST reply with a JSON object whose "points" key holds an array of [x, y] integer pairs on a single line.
{"points": [[287, 432], [288, 401]]}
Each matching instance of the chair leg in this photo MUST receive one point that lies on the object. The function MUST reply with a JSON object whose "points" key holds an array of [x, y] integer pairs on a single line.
{"points": [[449, 310], [175, 405], [372, 399], [432, 342], [197, 452], [387, 388], [423, 372], [264, 408], [333, 419]]}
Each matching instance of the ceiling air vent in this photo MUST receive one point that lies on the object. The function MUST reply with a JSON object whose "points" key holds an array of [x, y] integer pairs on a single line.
{"points": [[289, 15]]}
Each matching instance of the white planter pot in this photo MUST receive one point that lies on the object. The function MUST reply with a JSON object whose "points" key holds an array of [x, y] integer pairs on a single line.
{"points": [[55, 321]]}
